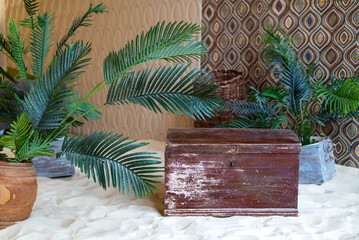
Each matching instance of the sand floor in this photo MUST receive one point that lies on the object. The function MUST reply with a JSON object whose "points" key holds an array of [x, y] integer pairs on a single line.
{"points": [[77, 208]]}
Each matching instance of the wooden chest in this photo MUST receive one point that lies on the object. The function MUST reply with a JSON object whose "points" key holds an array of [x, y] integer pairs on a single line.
{"points": [[227, 172]]}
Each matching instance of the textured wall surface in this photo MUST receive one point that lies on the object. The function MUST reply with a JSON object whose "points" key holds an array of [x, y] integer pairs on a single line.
{"points": [[126, 19], [325, 33]]}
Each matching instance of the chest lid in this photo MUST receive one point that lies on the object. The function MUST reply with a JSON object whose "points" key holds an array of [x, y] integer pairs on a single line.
{"points": [[231, 140]]}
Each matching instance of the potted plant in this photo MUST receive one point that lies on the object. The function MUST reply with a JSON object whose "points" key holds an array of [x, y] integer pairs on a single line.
{"points": [[300, 103], [51, 107]]}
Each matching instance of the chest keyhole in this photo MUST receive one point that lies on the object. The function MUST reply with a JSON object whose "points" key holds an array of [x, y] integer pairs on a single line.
{"points": [[231, 163]]}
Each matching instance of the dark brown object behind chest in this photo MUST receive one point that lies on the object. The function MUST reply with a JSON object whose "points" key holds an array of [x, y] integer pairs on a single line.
{"points": [[226, 172]]}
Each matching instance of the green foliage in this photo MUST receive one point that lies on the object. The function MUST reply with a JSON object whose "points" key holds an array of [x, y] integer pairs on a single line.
{"points": [[166, 88], [291, 105], [41, 40], [106, 158], [83, 21], [45, 103], [50, 107], [31, 7], [172, 42], [17, 45]]}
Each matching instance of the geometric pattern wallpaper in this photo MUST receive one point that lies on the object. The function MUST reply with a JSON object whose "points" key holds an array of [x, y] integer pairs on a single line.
{"points": [[325, 32], [124, 20]]}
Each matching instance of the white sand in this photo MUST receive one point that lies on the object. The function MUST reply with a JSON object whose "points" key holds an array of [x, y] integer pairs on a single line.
{"points": [[77, 208]]}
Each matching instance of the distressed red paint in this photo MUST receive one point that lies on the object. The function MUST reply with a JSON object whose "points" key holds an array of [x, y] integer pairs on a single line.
{"points": [[226, 172]]}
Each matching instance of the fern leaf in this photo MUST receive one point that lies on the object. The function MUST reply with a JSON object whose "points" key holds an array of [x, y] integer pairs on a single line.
{"points": [[107, 159], [172, 42], [167, 88], [41, 40], [83, 21]]}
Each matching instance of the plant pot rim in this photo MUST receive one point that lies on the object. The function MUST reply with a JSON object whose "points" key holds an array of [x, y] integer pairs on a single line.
{"points": [[319, 141], [22, 164]]}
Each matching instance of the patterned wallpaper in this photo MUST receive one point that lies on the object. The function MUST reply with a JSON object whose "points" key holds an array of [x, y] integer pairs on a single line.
{"points": [[111, 31], [325, 32]]}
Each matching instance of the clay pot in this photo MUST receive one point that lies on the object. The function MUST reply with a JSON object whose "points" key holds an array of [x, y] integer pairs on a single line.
{"points": [[18, 190]]}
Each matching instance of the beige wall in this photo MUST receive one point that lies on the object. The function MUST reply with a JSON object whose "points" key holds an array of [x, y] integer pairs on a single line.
{"points": [[111, 31]]}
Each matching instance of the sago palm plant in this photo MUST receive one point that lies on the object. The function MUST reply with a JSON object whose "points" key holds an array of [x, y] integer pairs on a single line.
{"points": [[291, 104], [50, 107]]}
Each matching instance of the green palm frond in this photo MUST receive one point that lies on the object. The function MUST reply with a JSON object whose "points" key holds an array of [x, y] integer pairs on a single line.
{"points": [[294, 77], [107, 158], [6, 49], [41, 41], [8, 111], [171, 42], [18, 133], [45, 103], [17, 45], [31, 7], [83, 109], [242, 107], [260, 121], [169, 89], [11, 90], [35, 146], [6, 75], [341, 99], [83, 21], [268, 94]]}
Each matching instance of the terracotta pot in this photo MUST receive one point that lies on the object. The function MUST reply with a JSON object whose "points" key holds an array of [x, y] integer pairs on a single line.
{"points": [[18, 190]]}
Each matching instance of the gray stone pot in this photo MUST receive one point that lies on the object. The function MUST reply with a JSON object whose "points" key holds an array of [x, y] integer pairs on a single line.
{"points": [[317, 162]]}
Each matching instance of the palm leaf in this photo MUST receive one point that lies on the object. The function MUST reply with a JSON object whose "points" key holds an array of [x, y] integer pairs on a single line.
{"points": [[6, 75], [31, 7], [107, 159], [11, 89], [171, 42], [242, 107], [342, 97], [35, 146], [17, 45], [167, 88], [6, 49], [41, 40], [45, 103], [82, 109], [18, 133], [83, 21], [293, 75]]}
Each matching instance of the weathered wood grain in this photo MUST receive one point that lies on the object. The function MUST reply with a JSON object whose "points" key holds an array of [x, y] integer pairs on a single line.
{"points": [[226, 172]]}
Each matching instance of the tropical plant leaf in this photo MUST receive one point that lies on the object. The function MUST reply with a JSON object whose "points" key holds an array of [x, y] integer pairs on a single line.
{"points": [[341, 99], [167, 88], [41, 41], [82, 109], [45, 103], [17, 45], [35, 146], [6, 75], [6, 49], [242, 107], [83, 21], [11, 90], [293, 75], [172, 42], [31, 7], [108, 160], [18, 133]]}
